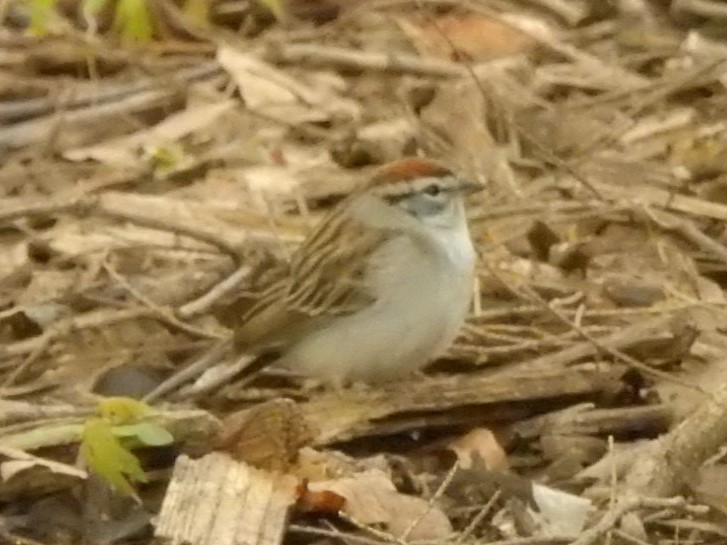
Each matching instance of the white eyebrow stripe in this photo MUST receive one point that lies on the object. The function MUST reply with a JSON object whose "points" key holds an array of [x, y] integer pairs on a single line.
{"points": [[397, 190]]}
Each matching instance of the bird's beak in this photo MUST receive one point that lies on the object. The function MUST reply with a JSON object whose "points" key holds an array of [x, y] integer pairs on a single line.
{"points": [[468, 186]]}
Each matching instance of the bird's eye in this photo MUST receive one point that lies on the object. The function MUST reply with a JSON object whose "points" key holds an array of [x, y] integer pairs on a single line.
{"points": [[433, 190]]}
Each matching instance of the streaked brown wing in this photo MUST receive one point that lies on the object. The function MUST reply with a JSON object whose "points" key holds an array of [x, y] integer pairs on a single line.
{"points": [[328, 272], [326, 279]]}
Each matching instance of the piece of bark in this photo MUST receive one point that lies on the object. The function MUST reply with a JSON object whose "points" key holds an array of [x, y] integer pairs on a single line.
{"points": [[585, 420], [410, 404], [216, 500]]}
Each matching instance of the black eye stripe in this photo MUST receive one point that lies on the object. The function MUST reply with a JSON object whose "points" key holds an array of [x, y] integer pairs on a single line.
{"points": [[433, 190], [393, 199]]}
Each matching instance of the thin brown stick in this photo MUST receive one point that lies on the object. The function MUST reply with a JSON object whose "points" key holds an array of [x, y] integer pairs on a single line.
{"points": [[165, 314], [385, 537], [478, 518], [430, 504], [613, 516], [217, 292], [533, 540], [35, 354], [207, 359], [110, 205], [689, 231], [615, 352], [95, 318], [401, 63], [103, 94]]}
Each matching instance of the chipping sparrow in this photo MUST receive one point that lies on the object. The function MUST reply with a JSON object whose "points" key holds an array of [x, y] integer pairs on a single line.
{"points": [[380, 287]]}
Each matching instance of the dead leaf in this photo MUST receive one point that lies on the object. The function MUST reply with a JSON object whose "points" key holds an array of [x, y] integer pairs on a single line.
{"points": [[470, 37], [371, 498], [23, 473], [126, 150], [459, 113], [272, 92], [260, 84], [562, 514], [322, 502], [632, 292], [267, 436], [479, 443]]}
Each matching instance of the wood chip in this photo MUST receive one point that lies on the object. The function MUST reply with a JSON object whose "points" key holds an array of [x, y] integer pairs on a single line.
{"points": [[217, 501]]}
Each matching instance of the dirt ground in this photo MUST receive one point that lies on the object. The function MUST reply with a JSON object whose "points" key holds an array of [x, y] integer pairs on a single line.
{"points": [[151, 191]]}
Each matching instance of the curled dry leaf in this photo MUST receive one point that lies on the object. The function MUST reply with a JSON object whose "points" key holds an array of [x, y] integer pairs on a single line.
{"points": [[371, 498], [23, 473], [267, 436], [479, 443]]}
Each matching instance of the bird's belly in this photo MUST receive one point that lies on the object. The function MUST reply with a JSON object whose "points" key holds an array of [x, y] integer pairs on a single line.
{"points": [[412, 323]]}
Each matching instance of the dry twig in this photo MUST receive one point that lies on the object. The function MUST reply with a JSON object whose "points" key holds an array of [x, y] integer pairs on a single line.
{"points": [[363, 60], [117, 206], [613, 516]]}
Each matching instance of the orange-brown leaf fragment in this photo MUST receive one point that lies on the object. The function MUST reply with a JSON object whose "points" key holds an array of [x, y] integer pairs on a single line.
{"points": [[321, 502], [481, 443], [371, 498], [468, 37]]}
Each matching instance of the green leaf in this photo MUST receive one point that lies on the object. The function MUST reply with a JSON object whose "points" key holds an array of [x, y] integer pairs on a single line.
{"points": [[41, 14], [123, 410], [106, 456], [276, 7], [167, 156], [132, 21], [147, 433]]}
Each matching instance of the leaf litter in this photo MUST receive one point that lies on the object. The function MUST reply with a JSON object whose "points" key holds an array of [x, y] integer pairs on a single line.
{"points": [[146, 201]]}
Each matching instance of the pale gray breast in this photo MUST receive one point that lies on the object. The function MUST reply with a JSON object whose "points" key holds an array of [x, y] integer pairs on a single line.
{"points": [[425, 275]]}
